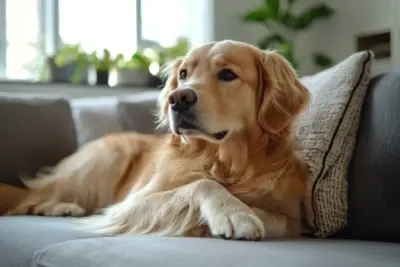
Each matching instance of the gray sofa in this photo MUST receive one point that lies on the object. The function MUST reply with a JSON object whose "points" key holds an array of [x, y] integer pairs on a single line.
{"points": [[40, 131]]}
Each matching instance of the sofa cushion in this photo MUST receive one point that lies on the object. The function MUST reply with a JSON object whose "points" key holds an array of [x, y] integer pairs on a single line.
{"points": [[95, 117], [137, 112], [22, 236], [35, 131], [327, 133], [145, 251], [374, 173]]}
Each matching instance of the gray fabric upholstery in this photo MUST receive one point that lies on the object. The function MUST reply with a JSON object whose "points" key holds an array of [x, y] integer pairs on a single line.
{"points": [[186, 252], [374, 174], [22, 236], [94, 118], [137, 113], [53, 242], [35, 131]]}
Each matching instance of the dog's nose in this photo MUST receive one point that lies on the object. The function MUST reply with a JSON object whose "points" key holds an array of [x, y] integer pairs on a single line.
{"points": [[182, 99]]}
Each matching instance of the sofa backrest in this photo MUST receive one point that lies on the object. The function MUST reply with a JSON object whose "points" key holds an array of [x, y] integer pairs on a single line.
{"points": [[39, 130], [374, 173]]}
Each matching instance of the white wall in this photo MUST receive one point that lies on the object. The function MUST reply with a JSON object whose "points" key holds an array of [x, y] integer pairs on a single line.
{"points": [[337, 37], [228, 23], [216, 20], [224, 16]]}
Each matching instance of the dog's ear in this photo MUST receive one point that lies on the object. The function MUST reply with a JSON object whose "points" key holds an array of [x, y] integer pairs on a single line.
{"points": [[170, 74], [281, 95]]}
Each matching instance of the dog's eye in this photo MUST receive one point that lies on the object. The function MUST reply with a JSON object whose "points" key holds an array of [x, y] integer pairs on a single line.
{"points": [[183, 74], [226, 75]]}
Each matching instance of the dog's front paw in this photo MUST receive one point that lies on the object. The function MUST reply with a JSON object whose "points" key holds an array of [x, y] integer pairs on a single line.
{"points": [[240, 225], [59, 209]]}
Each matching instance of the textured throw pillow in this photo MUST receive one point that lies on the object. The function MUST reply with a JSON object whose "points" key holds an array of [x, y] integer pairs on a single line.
{"points": [[326, 133]]}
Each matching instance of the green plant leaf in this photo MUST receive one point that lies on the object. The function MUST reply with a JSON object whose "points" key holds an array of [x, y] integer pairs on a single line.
{"points": [[273, 6], [140, 61], [286, 50], [271, 41], [261, 14], [314, 13], [288, 20], [321, 60], [67, 54], [81, 67]]}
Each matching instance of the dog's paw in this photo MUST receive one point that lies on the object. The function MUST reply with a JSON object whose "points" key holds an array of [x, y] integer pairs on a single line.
{"points": [[239, 225], [59, 210]]}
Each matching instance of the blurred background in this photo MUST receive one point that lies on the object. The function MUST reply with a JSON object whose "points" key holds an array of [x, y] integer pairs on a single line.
{"points": [[124, 42]]}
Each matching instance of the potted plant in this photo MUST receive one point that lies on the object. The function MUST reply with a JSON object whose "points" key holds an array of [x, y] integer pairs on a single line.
{"points": [[70, 64], [134, 71], [283, 25], [103, 65]]}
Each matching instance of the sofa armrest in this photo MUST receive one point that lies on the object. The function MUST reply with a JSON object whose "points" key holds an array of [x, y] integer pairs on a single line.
{"points": [[373, 189]]}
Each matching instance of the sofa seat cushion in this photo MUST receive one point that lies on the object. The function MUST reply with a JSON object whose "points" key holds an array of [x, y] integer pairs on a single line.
{"points": [[147, 251], [22, 236]]}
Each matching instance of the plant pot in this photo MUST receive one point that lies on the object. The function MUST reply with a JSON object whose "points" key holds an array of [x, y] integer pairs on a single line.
{"points": [[65, 73], [102, 77], [132, 77], [155, 81]]}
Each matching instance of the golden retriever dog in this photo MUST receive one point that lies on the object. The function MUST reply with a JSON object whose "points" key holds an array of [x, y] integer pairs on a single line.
{"points": [[229, 167]]}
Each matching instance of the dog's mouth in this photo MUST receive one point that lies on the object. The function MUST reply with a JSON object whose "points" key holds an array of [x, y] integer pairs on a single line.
{"points": [[186, 125], [220, 135]]}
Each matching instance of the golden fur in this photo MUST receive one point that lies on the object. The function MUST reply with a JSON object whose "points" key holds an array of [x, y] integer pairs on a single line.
{"points": [[246, 186]]}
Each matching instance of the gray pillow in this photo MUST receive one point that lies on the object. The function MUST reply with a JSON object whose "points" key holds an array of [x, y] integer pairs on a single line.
{"points": [[136, 113], [35, 131]]}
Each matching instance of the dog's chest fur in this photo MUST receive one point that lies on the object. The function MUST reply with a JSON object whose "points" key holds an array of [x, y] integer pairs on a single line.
{"points": [[186, 163]]}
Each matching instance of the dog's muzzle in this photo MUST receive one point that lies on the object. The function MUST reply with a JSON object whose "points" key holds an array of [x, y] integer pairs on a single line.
{"points": [[182, 99], [182, 102], [182, 106]]}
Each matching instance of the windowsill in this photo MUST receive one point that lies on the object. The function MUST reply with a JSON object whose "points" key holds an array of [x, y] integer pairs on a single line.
{"points": [[68, 89]]}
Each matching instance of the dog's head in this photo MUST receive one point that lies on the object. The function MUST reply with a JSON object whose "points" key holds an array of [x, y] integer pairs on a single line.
{"points": [[228, 87]]}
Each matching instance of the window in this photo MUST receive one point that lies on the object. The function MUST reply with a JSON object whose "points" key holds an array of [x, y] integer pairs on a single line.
{"points": [[22, 38], [107, 26], [164, 33], [33, 29]]}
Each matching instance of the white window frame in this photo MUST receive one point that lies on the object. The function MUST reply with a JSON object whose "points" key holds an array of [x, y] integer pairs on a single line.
{"points": [[49, 25], [3, 35]]}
